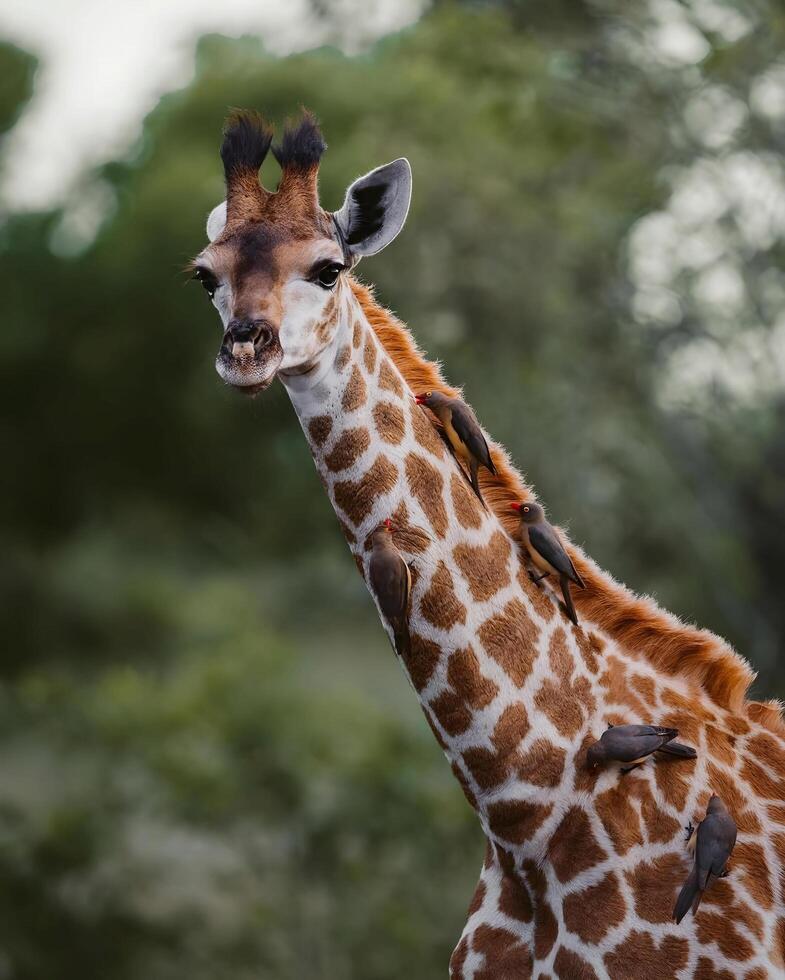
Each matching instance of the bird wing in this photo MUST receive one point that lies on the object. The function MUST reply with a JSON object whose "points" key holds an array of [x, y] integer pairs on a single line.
{"points": [[468, 430], [390, 580], [625, 746], [716, 839], [544, 540]]}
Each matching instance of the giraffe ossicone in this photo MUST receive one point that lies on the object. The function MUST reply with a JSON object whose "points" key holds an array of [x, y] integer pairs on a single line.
{"points": [[582, 868]]}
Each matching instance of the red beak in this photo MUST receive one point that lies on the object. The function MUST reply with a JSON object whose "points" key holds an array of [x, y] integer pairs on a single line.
{"points": [[388, 524], [515, 506], [419, 399]]}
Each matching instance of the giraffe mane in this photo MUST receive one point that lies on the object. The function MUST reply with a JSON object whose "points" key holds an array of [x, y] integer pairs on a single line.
{"points": [[633, 621]]}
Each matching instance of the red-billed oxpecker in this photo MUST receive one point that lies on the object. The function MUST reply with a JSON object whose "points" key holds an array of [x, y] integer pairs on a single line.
{"points": [[633, 744], [391, 582], [463, 433], [713, 841], [547, 552]]}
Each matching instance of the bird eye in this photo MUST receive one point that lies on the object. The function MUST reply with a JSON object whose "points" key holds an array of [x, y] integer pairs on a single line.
{"points": [[526, 509], [327, 275], [428, 394], [207, 279]]}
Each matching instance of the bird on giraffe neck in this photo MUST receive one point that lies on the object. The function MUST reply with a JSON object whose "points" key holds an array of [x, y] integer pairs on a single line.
{"points": [[633, 744], [713, 841], [391, 582], [546, 551], [463, 432]]}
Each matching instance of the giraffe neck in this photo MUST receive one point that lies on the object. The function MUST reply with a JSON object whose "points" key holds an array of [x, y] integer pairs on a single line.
{"points": [[483, 637]]}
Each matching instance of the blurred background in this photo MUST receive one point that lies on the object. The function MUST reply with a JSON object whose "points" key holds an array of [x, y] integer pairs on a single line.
{"points": [[210, 764]]}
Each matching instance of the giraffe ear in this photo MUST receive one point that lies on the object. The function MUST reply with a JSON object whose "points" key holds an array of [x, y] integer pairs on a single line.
{"points": [[216, 221], [375, 208]]}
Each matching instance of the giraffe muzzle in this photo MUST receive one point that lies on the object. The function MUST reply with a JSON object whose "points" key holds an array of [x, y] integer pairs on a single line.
{"points": [[250, 354]]}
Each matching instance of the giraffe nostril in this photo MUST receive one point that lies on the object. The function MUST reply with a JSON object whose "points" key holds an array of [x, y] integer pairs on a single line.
{"points": [[247, 336], [265, 336]]}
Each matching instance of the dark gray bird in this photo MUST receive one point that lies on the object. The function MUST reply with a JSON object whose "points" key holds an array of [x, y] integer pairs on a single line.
{"points": [[547, 552], [463, 433], [714, 843], [633, 744], [391, 581]]}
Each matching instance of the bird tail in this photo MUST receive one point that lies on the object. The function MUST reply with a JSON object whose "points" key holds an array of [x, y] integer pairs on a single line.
{"points": [[473, 468], [679, 750], [403, 642], [568, 603], [491, 466], [689, 897]]}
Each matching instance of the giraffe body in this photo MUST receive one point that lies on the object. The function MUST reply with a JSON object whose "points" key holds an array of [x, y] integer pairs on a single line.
{"points": [[582, 867]]}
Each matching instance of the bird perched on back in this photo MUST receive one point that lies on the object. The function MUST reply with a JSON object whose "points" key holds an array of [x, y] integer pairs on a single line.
{"points": [[391, 582], [463, 433], [547, 552], [633, 744], [715, 839]]}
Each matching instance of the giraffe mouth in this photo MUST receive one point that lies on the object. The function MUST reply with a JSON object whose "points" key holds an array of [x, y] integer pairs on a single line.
{"points": [[248, 367]]}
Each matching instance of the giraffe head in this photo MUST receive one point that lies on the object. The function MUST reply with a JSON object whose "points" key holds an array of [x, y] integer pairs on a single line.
{"points": [[274, 264]]}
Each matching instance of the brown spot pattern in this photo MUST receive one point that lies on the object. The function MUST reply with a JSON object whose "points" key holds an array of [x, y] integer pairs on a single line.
{"points": [[369, 354], [356, 498], [485, 566], [347, 450], [453, 714], [514, 899], [592, 912], [510, 638], [542, 604], [389, 422], [389, 380], [355, 392], [573, 847], [421, 660], [560, 703], [439, 605], [542, 764], [638, 956], [357, 333], [426, 484], [463, 673], [319, 428], [619, 818], [713, 927], [465, 504], [516, 820], [425, 434], [343, 358], [570, 966], [655, 884]]}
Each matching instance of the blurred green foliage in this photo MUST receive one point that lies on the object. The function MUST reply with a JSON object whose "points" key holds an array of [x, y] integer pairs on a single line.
{"points": [[212, 766]]}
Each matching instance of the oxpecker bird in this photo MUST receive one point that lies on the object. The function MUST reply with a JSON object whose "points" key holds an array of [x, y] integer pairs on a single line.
{"points": [[715, 839], [547, 552], [633, 744], [463, 433], [391, 582]]}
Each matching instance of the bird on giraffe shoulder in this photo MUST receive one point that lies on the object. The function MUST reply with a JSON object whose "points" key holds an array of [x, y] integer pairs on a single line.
{"points": [[547, 552], [391, 582], [463, 432], [634, 744], [712, 844]]}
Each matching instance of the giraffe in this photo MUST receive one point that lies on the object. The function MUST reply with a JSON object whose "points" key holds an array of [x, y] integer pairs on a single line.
{"points": [[582, 866]]}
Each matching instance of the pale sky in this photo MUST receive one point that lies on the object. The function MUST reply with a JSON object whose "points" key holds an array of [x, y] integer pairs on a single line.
{"points": [[105, 64]]}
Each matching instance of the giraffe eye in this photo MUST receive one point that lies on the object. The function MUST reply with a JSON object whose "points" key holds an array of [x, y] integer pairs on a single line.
{"points": [[207, 279], [327, 275]]}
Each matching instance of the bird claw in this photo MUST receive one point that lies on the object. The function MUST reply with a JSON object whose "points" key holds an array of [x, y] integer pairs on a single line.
{"points": [[690, 830]]}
